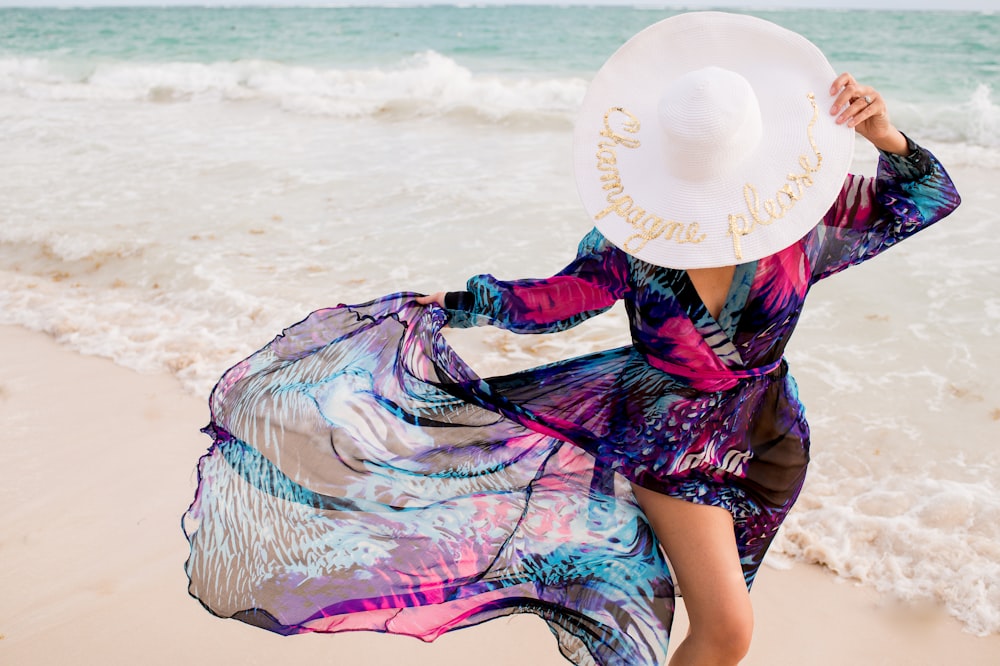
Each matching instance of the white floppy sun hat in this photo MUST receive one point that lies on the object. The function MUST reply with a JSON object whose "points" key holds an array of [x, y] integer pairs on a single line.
{"points": [[706, 140]]}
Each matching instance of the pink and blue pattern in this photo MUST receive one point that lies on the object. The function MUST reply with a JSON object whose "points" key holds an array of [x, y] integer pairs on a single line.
{"points": [[363, 477]]}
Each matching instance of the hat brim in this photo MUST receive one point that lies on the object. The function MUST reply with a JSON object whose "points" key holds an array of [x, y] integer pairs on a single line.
{"points": [[757, 207]]}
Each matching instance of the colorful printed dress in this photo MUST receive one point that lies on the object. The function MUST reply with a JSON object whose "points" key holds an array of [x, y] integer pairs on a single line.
{"points": [[363, 477]]}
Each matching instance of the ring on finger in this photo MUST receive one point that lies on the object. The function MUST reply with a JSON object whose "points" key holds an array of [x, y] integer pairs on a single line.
{"points": [[868, 100]]}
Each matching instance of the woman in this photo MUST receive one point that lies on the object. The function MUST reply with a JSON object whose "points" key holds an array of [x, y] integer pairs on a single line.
{"points": [[363, 477]]}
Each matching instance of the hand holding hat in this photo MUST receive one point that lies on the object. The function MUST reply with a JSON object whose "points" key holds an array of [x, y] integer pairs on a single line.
{"points": [[862, 108]]}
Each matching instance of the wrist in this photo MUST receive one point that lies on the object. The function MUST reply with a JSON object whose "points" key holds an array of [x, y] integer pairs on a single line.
{"points": [[893, 142]]}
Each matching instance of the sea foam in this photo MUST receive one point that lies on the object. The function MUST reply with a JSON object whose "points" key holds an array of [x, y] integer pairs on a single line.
{"points": [[913, 537], [426, 83]]}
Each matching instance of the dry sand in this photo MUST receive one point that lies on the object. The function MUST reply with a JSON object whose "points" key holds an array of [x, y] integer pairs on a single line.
{"points": [[97, 464]]}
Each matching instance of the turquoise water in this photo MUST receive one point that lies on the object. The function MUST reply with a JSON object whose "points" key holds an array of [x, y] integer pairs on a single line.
{"points": [[910, 53], [939, 69]]}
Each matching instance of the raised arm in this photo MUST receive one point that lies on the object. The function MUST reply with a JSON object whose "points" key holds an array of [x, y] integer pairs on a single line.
{"points": [[586, 287], [911, 191]]}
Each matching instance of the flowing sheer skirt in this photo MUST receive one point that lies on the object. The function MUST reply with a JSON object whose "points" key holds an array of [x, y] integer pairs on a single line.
{"points": [[362, 477]]}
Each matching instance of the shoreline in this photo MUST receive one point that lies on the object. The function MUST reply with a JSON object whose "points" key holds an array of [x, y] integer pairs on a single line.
{"points": [[99, 463]]}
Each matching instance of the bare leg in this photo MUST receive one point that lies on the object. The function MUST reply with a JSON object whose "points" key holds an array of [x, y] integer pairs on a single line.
{"points": [[700, 544]]}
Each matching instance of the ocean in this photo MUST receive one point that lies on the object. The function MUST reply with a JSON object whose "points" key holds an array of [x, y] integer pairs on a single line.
{"points": [[178, 185]]}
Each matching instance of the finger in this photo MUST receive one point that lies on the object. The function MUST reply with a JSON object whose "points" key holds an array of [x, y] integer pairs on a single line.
{"points": [[437, 298], [845, 97], [841, 82], [850, 109], [860, 101], [875, 108]]}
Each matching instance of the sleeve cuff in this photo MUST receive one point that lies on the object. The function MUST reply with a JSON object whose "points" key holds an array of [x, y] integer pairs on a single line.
{"points": [[913, 166], [459, 300]]}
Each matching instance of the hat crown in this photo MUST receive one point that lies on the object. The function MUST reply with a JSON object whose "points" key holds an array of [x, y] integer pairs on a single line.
{"points": [[710, 122]]}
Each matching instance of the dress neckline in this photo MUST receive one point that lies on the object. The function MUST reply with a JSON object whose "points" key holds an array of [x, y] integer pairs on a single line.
{"points": [[718, 333]]}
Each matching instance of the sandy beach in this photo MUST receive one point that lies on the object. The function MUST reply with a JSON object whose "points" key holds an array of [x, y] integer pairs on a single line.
{"points": [[98, 464]]}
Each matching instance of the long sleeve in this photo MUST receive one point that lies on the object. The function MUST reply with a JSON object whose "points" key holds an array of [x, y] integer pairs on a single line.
{"points": [[589, 285], [872, 214]]}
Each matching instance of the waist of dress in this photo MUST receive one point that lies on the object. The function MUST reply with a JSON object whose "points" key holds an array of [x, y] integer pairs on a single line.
{"points": [[720, 379]]}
